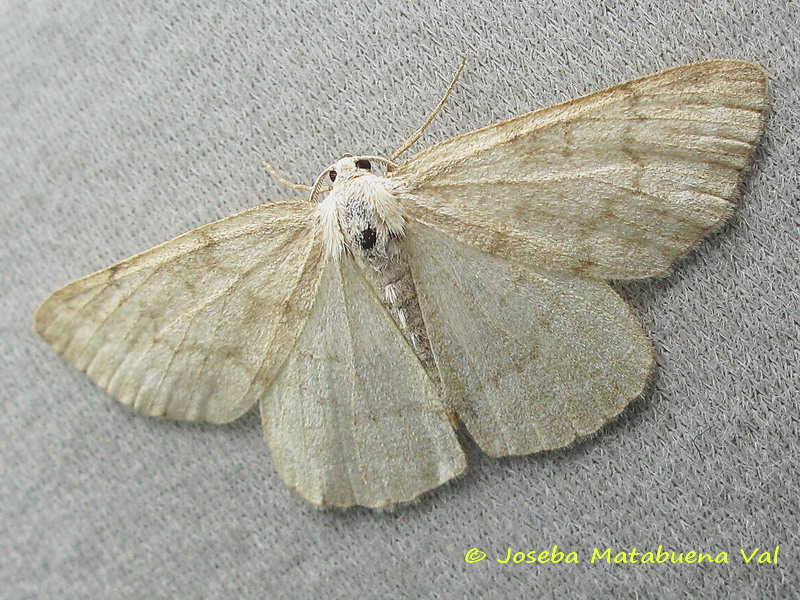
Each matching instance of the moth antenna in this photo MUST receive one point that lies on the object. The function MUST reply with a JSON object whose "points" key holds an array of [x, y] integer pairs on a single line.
{"points": [[318, 188], [418, 133], [295, 186]]}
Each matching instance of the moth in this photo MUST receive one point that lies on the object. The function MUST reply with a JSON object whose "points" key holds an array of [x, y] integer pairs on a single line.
{"points": [[463, 288]]}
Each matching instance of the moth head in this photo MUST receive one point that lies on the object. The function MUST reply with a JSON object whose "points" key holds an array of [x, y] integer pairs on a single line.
{"points": [[344, 169], [349, 166]]}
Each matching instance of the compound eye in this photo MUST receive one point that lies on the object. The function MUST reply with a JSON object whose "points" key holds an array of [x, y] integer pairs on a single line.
{"points": [[332, 175], [364, 164]]}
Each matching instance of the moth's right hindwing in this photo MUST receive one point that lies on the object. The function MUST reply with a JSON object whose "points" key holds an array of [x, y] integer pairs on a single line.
{"points": [[196, 328], [353, 418]]}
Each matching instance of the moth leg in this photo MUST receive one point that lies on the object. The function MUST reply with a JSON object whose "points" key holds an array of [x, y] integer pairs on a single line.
{"points": [[418, 133]]}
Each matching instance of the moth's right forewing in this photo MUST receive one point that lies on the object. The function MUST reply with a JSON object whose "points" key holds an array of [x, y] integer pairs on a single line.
{"points": [[196, 328]]}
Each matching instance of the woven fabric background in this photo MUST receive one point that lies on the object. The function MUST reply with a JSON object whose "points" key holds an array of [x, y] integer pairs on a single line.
{"points": [[125, 124]]}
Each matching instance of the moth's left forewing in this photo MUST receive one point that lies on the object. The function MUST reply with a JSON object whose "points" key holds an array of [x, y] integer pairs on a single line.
{"points": [[614, 185]]}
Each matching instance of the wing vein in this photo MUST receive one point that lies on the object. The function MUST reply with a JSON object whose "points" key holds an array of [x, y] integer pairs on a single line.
{"points": [[356, 380], [279, 367]]}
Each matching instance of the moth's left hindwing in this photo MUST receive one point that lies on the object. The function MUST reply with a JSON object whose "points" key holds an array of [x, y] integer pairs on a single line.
{"points": [[529, 359], [196, 328]]}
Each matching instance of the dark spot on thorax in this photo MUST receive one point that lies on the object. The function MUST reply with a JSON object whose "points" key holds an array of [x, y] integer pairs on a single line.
{"points": [[367, 238]]}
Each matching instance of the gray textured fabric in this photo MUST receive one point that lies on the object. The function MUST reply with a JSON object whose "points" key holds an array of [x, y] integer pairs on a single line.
{"points": [[125, 124]]}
